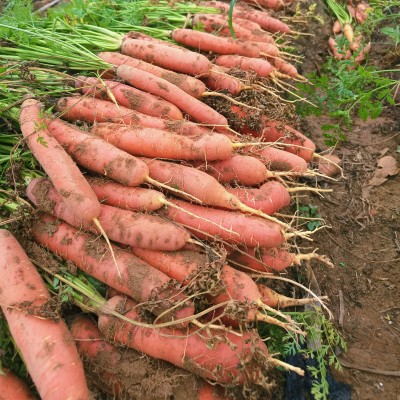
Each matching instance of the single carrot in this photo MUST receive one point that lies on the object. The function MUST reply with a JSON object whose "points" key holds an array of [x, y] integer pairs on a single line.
{"points": [[40, 335], [187, 83], [169, 57], [59, 166], [273, 4], [13, 387], [141, 141], [285, 67], [261, 67], [128, 97], [91, 254], [166, 90], [122, 226], [98, 155], [219, 79]]}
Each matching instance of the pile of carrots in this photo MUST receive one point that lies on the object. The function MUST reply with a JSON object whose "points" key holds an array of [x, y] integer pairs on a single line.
{"points": [[152, 192]]}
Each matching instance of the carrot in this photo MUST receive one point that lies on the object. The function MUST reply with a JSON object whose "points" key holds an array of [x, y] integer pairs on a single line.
{"points": [[122, 226], [207, 42], [169, 57], [249, 24], [186, 266], [63, 172], [80, 108], [219, 79], [245, 170], [162, 88], [97, 155], [273, 4], [130, 198], [261, 67], [233, 227], [335, 50], [280, 160], [219, 362], [128, 97], [284, 67], [90, 254], [42, 338], [269, 198], [187, 83], [141, 141], [125, 373], [13, 388]]}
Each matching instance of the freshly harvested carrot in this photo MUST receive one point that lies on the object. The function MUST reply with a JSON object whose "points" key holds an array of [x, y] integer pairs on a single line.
{"points": [[59, 166], [272, 259], [195, 108], [233, 227], [98, 155], [269, 198], [261, 67], [207, 42], [258, 34], [13, 388], [187, 83], [141, 141], [88, 109], [122, 226], [284, 67], [245, 170], [91, 254], [339, 55], [248, 24], [186, 266], [218, 362], [124, 373], [40, 335], [273, 4], [219, 79], [169, 57], [128, 97], [280, 160], [130, 198]]}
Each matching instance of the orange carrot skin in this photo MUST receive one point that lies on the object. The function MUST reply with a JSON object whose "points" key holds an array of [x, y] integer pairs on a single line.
{"points": [[122, 226], [269, 297], [59, 166], [284, 67], [13, 388], [130, 198], [92, 255], [269, 198], [275, 259], [264, 20], [273, 4], [78, 108], [128, 97], [219, 79], [141, 141], [219, 363], [261, 67], [281, 160], [46, 345], [246, 170], [98, 155], [245, 229], [162, 88], [172, 58], [219, 45], [187, 83]]}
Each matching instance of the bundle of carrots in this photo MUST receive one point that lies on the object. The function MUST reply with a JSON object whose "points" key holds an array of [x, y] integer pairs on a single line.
{"points": [[138, 196]]}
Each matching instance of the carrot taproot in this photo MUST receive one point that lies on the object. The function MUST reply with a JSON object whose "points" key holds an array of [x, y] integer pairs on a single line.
{"points": [[13, 387], [207, 42], [233, 227], [40, 335], [251, 25], [285, 67], [130, 198], [245, 170], [98, 155], [142, 141], [125, 373], [261, 67], [173, 58], [128, 97], [187, 83], [88, 109], [219, 363], [273, 4], [219, 79], [122, 226], [59, 166], [195, 108], [336, 52], [91, 254], [269, 198]]}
